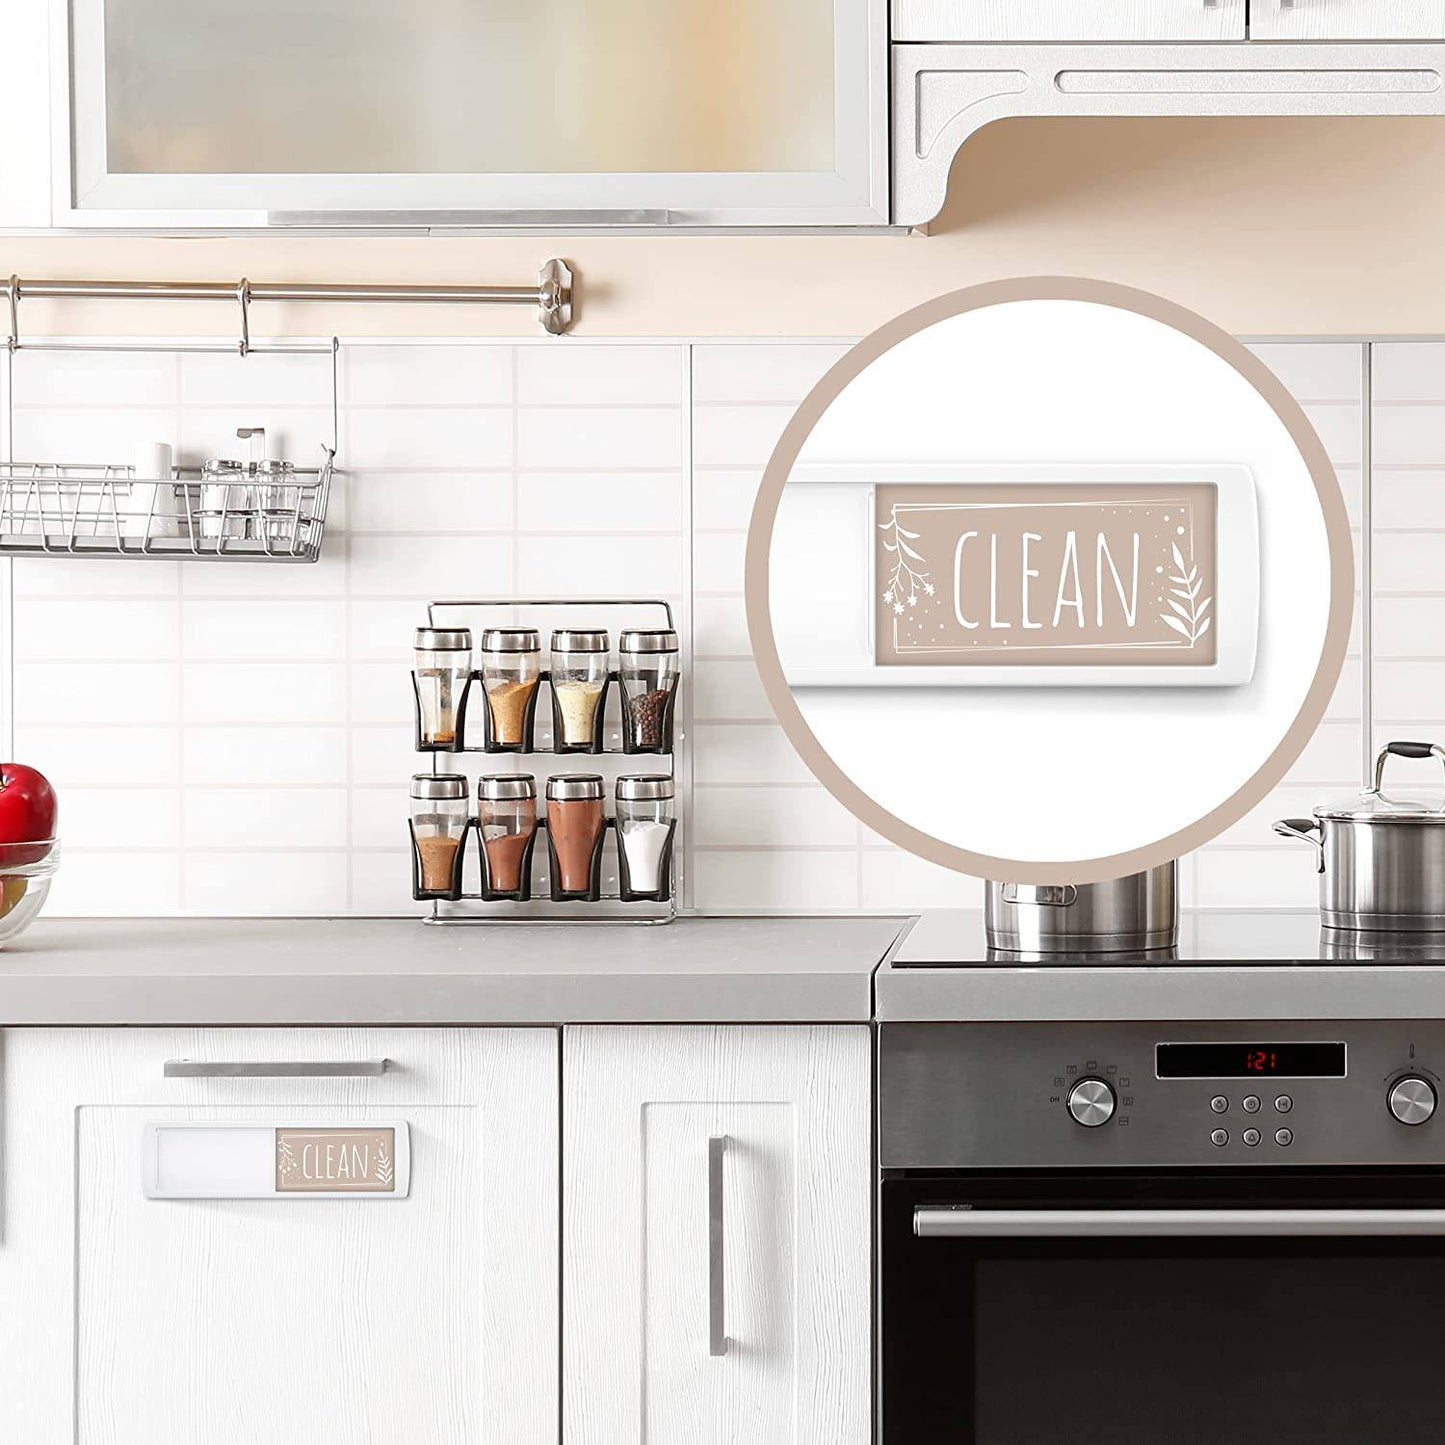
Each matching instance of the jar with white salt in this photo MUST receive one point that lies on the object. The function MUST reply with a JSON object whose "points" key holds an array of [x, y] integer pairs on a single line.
{"points": [[578, 676], [646, 819]]}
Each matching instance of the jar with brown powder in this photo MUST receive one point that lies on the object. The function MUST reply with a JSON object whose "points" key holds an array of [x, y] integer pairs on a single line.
{"points": [[507, 818], [438, 834], [511, 670], [575, 826]]}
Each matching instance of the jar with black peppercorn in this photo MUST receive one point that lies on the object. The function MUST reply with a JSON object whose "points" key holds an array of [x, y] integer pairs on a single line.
{"points": [[647, 672]]}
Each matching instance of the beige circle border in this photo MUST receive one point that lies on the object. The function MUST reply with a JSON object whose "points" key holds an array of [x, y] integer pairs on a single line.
{"points": [[759, 545]]}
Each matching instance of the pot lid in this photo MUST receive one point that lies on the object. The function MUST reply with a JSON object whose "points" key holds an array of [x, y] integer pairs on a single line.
{"points": [[1374, 805]]}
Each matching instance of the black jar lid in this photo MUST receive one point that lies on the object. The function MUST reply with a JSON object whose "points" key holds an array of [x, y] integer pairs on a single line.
{"points": [[648, 639], [575, 787]]}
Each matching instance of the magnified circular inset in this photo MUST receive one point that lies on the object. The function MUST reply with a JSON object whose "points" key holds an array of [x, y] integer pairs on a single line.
{"points": [[1049, 579]]}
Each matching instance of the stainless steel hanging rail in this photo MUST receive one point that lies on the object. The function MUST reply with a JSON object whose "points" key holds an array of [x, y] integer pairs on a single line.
{"points": [[552, 295]]}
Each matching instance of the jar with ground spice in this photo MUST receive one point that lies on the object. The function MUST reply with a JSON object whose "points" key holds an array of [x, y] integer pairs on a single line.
{"points": [[440, 677], [645, 821], [438, 834], [647, 671], [575, 826], [579, 685], [507, 819], [511, 669]]}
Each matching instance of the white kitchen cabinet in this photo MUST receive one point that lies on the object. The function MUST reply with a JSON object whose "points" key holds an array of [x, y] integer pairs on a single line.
{"points": [[25, 116], [1347, 19], [963, 20], [650, 112], [429, 1318], [717, 1195]]}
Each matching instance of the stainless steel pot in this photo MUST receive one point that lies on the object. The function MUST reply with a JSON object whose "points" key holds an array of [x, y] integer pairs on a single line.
{"points": [[1123, 915], [1381, 857]]}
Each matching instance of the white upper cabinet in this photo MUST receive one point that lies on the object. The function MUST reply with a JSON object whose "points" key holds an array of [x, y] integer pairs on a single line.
{"points": [[25, 115], [962, 20], [1347, 19], [480, 112]]}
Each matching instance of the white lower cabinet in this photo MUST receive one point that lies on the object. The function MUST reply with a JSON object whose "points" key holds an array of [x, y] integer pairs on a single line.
{"points": [[428, 1318], [717, 1193]]}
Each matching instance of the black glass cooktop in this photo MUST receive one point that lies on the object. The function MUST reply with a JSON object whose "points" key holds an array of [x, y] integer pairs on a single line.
{"points": [[954, 938]]}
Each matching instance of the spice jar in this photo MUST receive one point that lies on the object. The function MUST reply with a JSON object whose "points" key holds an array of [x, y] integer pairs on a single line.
{"points": [[645, 823], [647, 671], [440, 677], [507, 818], [225, 500], [575, 824], [579, 684], [511, 667], [438, 834], [278, 504]]}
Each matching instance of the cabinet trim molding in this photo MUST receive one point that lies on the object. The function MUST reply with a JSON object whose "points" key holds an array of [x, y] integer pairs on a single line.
{"points": [[945, 94]]}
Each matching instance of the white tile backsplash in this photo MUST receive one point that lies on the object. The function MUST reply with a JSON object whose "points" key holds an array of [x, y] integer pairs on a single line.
{"points": [[237, 740]]}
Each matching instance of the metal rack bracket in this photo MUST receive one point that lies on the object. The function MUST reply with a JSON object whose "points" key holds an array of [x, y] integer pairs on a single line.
{"points": [[552, 296]]}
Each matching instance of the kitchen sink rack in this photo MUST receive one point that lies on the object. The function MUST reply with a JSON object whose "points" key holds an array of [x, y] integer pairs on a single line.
{"points": [[111, 509], [468, 900]]}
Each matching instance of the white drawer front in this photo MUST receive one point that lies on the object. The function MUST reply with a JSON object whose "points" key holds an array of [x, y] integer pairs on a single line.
{"points": [[1063, 20]]}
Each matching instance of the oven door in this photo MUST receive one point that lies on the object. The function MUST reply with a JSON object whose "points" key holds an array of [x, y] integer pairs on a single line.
{"points": [[1153, 1309]]}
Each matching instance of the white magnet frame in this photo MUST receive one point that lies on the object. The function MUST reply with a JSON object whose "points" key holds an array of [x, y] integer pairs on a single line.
{"points": [[1237, 574], [255, 1180]]}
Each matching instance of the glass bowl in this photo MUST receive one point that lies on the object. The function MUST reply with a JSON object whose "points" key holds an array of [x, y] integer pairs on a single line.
{"points": [[25, 873]]}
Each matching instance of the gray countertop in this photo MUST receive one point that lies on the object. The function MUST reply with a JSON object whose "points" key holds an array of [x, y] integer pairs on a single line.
{"points": [[396, 971], [1248, 964]]}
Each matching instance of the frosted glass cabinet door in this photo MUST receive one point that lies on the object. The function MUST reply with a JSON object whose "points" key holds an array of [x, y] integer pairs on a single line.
{"points": [[428, 1317], [1347, 19], [716, 1243], [749, 111]]}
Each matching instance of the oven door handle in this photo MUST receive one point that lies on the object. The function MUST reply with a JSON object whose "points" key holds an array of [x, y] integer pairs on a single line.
{"points": [[965, 1222]]}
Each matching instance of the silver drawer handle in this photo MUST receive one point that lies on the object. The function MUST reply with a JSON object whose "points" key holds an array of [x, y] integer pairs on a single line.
{"points": [[717, 1340], [965, 1223], [276, 1069]]}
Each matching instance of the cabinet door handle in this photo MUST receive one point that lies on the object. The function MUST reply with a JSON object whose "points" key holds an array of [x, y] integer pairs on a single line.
{"points": [[276, 1069], [717, 1340]]}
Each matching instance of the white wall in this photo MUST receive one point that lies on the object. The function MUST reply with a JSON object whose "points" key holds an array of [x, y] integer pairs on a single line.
{"points": [[237, 739]]}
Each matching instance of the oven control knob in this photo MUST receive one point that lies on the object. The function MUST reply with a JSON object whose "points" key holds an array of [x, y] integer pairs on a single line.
{"points": [[1412, 1099], [1091, 1102]]}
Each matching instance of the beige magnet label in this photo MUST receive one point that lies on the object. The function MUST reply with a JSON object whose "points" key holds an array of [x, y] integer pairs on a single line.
{"points": [[1062, 576], [334, 1161]]}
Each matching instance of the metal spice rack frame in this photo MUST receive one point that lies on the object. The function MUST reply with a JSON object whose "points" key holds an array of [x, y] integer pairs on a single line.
{"points": [[468, 906], [100, 509]]}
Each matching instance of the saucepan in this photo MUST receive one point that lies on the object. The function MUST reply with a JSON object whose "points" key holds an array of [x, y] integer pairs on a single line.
{"points": [[1136, 913], [1380, 856]]}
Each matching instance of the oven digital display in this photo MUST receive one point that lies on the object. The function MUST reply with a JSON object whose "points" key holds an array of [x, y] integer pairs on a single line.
{"points": [[1249, 1061]]}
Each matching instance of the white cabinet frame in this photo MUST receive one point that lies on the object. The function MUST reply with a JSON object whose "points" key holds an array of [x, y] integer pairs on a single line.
{"points": [[855, 192], [944, 94]]}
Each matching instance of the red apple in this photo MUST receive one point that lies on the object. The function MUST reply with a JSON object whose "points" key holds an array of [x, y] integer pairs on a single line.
{"points": [[27, 811]]}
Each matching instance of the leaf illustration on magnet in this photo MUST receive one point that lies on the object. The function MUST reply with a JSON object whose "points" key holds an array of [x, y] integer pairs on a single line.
{"points": [[384, 1173], [1187, 615], [903, 583]]}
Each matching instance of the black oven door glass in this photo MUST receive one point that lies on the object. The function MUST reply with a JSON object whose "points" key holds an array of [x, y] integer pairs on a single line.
{"points": [[1194, 1340]]}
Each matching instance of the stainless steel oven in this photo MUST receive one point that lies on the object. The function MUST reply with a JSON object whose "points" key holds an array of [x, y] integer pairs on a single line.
{"points": [[1161, 1234]]}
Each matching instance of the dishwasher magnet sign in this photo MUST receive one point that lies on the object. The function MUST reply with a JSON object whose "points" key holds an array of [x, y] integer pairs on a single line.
{"points": [[333, 1161], [971, 575]]}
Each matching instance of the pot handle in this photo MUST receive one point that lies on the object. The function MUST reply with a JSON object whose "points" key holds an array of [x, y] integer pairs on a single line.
{"points": [[1048, 895], [1404, 750], [1307, 830]]}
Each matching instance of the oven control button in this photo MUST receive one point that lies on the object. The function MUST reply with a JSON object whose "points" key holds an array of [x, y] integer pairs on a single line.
{"points": [[1219, 1103], [1283, 1104], [1219, 1138], [1284, 1137], [1412, 1099], [1091, 1102], [1251, 1137], [1251, 1103]]}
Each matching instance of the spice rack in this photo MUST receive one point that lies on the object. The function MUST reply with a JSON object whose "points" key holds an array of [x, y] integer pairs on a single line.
{"points": [[628, 733]]}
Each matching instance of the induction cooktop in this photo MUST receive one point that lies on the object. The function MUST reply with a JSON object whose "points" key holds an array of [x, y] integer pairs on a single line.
{"points": [[954, 938]]}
